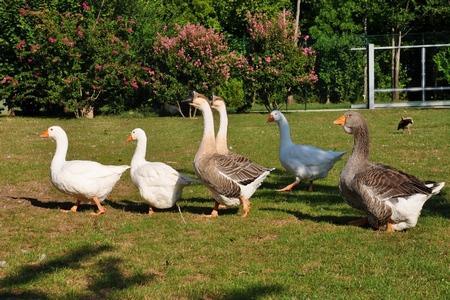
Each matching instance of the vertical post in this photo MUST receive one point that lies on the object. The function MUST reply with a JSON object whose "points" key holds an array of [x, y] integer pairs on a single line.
{"points": [[423, 74], [370, 76]]}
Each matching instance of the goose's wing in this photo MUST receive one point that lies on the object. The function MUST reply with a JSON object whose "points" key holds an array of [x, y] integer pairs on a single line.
{"points": [[378, 183], [386, 182], [310, 155], [156, 173], [90, 169], [214, 176], [239, 169], [253, 169]]}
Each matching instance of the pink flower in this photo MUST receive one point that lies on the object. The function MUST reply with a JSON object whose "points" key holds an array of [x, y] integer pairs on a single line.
{"points": [[149, 70], [80, 32], [85, 6], [130, 30], [134, 84], [20, 45], [98, 67], [306, 37], [6, 79], [52, 40], [23, 11], [313, 78], [30, 60], [268, 59], [308, 51]]}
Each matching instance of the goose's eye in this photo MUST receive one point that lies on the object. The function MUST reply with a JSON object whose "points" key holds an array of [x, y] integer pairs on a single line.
{"points": [[51, 129]]}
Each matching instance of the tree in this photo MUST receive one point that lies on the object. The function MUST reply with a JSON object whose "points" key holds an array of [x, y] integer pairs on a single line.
{"points": [[192, 58], [277, 68]]}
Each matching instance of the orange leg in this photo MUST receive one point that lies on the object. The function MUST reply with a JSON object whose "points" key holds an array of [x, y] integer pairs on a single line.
{"points": [[290, 187], [73, 208], [215, 211], [101, 209], [150, 210], [245, 206], [389, 227]]}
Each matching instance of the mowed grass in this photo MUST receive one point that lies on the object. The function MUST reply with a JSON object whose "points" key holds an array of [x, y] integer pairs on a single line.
{"points": [[293, 245]]}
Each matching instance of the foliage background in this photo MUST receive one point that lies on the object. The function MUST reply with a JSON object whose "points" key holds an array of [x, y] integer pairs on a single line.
{"points": [[64, 56]]}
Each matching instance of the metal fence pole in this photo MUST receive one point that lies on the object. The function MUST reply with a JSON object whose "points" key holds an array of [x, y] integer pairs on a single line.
{"points": [[370, 76], [423, 74]]}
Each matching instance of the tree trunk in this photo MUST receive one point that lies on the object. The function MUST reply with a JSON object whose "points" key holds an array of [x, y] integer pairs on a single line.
{"points": [[297, 21]]}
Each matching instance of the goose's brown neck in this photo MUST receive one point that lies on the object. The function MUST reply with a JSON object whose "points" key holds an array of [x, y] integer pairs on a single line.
{"points": [[360, 152]]}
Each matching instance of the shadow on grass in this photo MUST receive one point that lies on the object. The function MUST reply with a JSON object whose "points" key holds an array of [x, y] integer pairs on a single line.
{"points": [[438, 205], [35, 271], [253, 292], [32, 295], [105, 278], [109, 278], [303, 186], [64, 205], [142, 208], [129, 206], [336, 220], [312, 198], [202, 210]]}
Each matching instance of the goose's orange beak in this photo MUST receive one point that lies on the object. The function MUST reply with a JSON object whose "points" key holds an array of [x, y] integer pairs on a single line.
{"points": [[270, 118], [340, 121], [44, 134], [129, 138]]}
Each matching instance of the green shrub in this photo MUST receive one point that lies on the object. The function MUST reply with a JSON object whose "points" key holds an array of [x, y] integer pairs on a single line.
{"points": [[69, 61]]}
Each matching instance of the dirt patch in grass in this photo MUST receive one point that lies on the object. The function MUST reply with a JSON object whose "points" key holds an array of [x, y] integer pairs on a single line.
{"points": [[284, 222], [195, 278], [263, 238]]}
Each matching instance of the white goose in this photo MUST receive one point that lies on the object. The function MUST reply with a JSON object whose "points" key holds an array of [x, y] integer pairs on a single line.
{"points": [[159, 184], [230, 180], [304, 161], [83, 179], [391, 198]]}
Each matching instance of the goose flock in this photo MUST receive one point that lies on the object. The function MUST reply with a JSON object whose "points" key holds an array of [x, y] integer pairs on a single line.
{"points": [[390, 199]]}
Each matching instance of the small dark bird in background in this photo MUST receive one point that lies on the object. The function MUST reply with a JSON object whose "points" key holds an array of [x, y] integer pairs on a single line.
{"points": [[405, 123]]}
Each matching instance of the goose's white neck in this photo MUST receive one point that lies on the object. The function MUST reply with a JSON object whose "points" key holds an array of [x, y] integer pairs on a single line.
{"points": [[140, 151], [285, 134], [62, 145], [221, 138], [208, 143]]}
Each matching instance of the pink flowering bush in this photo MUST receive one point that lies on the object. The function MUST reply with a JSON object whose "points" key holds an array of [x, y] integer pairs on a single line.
{"points": [[277, 68], [69, 61], [193, 58]]}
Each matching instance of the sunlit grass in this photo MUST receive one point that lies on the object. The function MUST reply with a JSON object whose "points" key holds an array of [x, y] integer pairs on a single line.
{"points": [[293, 245]]}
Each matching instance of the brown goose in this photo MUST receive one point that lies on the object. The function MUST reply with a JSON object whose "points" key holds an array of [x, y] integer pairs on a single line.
{"points": [[218, 104], [391, 198], [230, 180]]}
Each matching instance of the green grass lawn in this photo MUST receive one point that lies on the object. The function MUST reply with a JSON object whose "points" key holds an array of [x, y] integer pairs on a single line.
{"points": [[294, 245]]}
